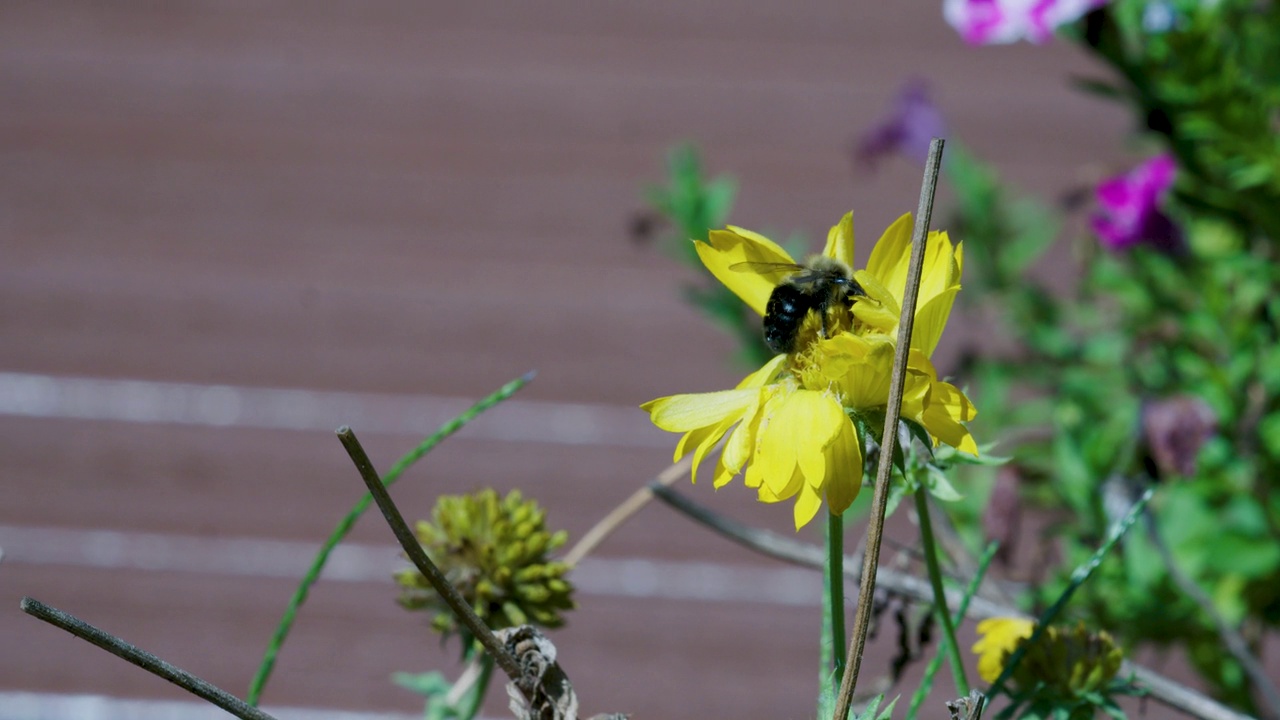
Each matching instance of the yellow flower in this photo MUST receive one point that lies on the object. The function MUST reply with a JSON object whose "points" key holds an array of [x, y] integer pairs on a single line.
{"points": [[789, 423], [1063, 664], [998, 638]]}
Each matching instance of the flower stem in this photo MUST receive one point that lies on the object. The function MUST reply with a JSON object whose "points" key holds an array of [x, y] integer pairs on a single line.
{"points": [[939, 594], [835, 587]]}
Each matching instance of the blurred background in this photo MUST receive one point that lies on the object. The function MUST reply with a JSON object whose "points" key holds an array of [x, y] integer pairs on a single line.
{"points": [[228, 228]]}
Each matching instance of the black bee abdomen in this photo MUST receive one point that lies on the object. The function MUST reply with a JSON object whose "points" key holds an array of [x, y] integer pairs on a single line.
{"points": [[783, 314]]}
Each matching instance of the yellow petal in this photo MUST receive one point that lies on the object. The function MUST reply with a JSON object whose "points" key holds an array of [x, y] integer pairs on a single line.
{"points": [[707, 443], [682, 413], [739, 445], [999, 637], [863, 373], [844, 469], [726, 248], [798, 432], [939, 271], [788, 490], [881, 310], [945, 409], [891, 255], [765, 375], [931, 320], [692, 439], [840, 241], [807, 503], [823, 419]]}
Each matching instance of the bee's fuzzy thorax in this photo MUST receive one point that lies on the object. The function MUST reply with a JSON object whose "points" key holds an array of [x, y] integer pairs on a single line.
{"points": [[827, 266]]}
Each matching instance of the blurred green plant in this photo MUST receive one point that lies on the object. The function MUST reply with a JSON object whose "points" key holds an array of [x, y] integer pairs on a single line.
{"points": [[1163, 364], [690, 205]]}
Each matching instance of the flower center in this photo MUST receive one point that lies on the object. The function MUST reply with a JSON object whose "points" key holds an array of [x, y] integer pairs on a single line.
{"points": [[805, 362]]}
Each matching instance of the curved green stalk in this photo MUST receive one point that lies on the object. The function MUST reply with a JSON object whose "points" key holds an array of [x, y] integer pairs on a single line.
{"points": [[1078, 578], [349, 520], [939, 593], [926, 683]]}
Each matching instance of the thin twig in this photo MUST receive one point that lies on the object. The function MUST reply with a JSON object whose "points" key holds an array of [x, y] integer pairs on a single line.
{"points": [[348, 521], [428, 569], [783, 548], [623, 512], [143, 659], [897, 383]]}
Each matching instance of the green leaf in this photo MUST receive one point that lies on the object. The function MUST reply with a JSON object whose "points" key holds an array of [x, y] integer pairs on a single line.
{"points": [[939, 486], [428, 684]]}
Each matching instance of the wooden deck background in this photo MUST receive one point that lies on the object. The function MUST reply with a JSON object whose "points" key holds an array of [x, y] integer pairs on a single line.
{"points": [[369, 200]]}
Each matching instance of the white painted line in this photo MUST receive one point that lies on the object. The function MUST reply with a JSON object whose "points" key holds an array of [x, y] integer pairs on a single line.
{"points": [[56, 706], [145, 401], [353, 562]]}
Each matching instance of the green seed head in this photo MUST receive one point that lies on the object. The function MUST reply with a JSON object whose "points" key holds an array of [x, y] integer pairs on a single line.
{"points": [[495, 553]]}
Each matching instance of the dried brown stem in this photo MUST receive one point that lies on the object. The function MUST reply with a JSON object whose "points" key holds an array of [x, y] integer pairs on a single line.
{"points": [[419, 558], [880, 500], [623, 512], [143, 659]]}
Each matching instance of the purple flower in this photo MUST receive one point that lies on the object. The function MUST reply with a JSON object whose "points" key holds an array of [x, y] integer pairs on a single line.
{"points": [[992, 22], [912, 122], [1175, 429], [1130, 208]]}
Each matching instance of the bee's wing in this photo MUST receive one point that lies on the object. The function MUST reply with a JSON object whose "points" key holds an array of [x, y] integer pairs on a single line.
{"points": [[774, 269]]}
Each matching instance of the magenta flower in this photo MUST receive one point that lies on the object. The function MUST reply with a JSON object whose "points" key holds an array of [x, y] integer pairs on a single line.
{"points": [[994, 22], [1130, 208]]}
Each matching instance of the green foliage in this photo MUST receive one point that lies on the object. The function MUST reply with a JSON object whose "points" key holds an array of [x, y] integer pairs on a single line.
{"points": [[873, 711], [1147, 325], [694, 205], [436, 689], [1211, 86]]}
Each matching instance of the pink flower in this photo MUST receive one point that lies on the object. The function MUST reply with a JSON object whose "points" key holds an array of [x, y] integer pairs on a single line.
{"points": [[992, 22], [1130, 208]]}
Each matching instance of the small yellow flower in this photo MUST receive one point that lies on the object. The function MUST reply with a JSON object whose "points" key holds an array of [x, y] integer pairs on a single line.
{"points": [[998, 638], [1065, 663], [789, 423]]}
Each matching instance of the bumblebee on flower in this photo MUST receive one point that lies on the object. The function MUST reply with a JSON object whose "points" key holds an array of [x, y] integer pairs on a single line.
{"points": [[792, 426]]}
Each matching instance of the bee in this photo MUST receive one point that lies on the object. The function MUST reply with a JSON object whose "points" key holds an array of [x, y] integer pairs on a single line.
{"points": [[818, 285]]}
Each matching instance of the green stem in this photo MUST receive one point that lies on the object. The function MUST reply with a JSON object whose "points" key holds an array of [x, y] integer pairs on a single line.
{"points": [[835, 587], [922, 691], [939, 594], [481, 688]]}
